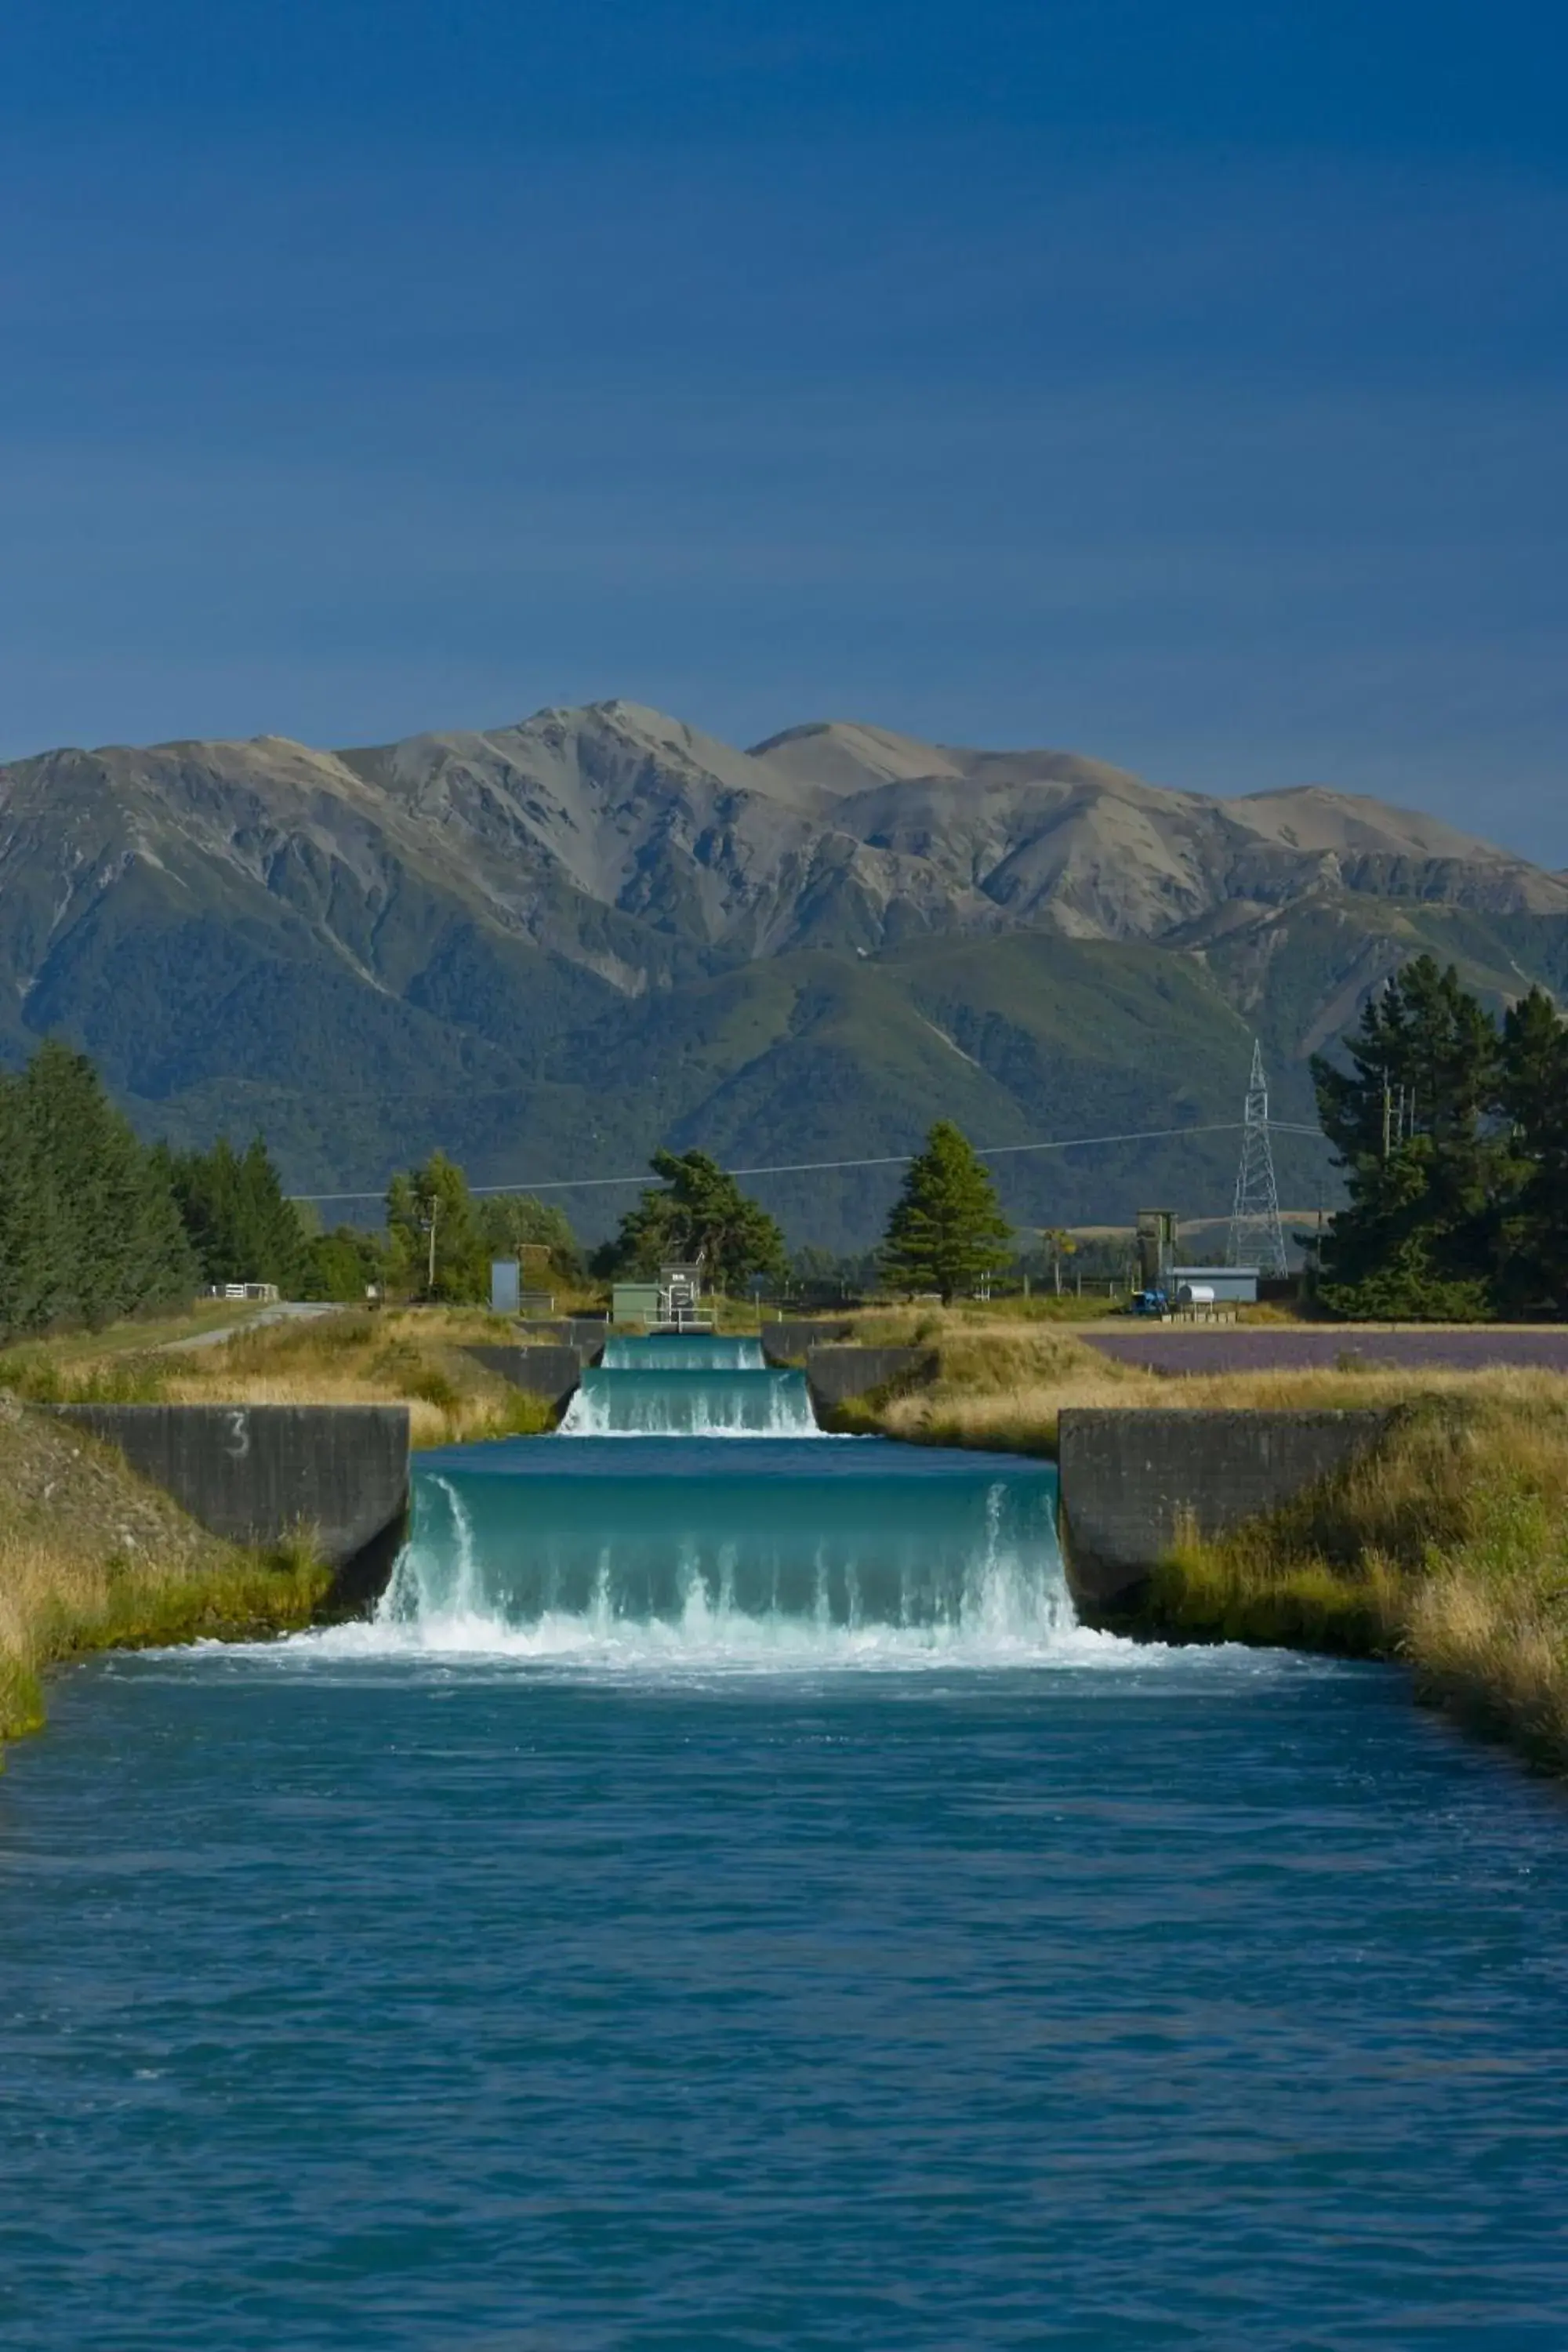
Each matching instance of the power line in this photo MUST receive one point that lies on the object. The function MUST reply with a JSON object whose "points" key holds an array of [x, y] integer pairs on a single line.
{"points": [[820, 1167]]}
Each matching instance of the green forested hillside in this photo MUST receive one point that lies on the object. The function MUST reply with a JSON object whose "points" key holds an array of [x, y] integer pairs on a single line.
{"points": [[552, 949], [816, 1056]]}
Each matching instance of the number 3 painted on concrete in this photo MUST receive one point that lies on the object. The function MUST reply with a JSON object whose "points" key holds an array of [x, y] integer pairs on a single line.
{"points": [[238, 1446]]}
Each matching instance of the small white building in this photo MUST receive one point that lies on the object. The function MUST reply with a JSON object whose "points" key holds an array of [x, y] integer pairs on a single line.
{"points": [[1219, 1286]]}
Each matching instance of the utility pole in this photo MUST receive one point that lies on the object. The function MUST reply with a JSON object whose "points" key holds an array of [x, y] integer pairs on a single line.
{"points": [[1257, 1235], [432, 1211]]}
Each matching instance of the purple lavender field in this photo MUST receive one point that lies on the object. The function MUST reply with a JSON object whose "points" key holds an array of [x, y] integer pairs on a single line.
{"points": [[1231, 1348]]}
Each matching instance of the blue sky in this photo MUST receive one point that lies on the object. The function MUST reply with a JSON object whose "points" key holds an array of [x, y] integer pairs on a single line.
{"points": [[1183, 387]]}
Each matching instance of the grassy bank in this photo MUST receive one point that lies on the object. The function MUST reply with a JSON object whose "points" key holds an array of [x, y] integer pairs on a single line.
{"points": [[1001, 1383], [91, 1559], [1446, 1550], [414, 1357], [1450, 1549]]}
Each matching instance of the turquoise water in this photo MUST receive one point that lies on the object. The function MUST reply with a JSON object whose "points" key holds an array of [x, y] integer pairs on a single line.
{"points": [[706, 1352], [725, 1901], [696, 1387]]}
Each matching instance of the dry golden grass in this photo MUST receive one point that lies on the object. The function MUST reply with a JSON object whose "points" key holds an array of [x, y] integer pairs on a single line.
{"points": [[1001, 1383], [91, 1559], [1448, 1547], [58, 1602], [414, 1357]]}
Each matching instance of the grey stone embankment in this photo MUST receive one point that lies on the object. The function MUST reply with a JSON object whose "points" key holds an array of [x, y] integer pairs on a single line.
{"points": [[255, 1473], [1132, 1480]]}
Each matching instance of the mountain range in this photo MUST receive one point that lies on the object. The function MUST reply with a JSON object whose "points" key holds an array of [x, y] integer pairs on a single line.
{"points": [[551, 946]]}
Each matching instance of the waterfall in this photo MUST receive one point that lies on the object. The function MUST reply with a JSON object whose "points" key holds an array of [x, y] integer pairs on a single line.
{"points": [[697, 1387], [730, 1554], [796, 1555], [672, 1353]]}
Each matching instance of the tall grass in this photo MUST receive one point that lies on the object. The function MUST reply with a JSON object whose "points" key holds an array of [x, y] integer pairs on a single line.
{"points": [[415, 1358], [1002, 1384], [1446, 1548], [60, 1598]]}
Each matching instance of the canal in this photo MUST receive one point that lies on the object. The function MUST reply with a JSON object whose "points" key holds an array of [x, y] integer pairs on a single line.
{"points": [[724, 1900]]}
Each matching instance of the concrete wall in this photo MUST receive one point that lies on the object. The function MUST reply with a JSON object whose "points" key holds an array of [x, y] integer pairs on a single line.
{"points": [[834, 1375], [787, 1342], [552, 1372], [1130, 1479], [588, 1332], [254, 1472]]}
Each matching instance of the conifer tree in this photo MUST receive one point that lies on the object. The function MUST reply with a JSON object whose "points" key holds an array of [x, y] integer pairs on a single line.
{"points": [[1425, 1163], [241, 1226], [698, 1215], [1453, 1134], [1532, 1097], [946, 1229], [89, 1227]]}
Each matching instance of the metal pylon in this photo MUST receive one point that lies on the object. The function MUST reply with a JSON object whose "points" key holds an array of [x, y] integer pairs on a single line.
{"points": [[1257, 1236]]}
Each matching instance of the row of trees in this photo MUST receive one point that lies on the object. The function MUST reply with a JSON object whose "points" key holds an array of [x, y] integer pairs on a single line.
{"points": [[1452, 1129], [89, 1229], [440, 1238], [1451, 1126], [239, 1223], [946, 1230], [95, 1225]]}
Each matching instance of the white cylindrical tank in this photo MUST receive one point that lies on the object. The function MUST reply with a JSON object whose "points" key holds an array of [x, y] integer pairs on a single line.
{"points": [[1195, 1293]]}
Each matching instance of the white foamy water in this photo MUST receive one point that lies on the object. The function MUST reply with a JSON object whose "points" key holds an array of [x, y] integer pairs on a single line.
{"points": [[670, 1401], [1006, 1608], [676, 1354], [1000, 1609]]}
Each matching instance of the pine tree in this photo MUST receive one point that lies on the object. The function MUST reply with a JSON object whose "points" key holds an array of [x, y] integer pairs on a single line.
{"points": [[268, 1224], [699, 1215], [89, 1227], [241, 1225], [1532, 1097], [23, 1218], [946, 1229], [1425, 1166]]}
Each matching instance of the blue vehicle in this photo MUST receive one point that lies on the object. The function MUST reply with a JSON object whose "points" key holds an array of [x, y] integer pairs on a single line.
{"points": [[1149, 1302]]}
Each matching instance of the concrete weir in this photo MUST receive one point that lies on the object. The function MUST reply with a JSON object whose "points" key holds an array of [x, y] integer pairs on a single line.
{"points": [[835, 1375], [553, 1372], [790, 1341], [254, 1472], [1132, 1480]]}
